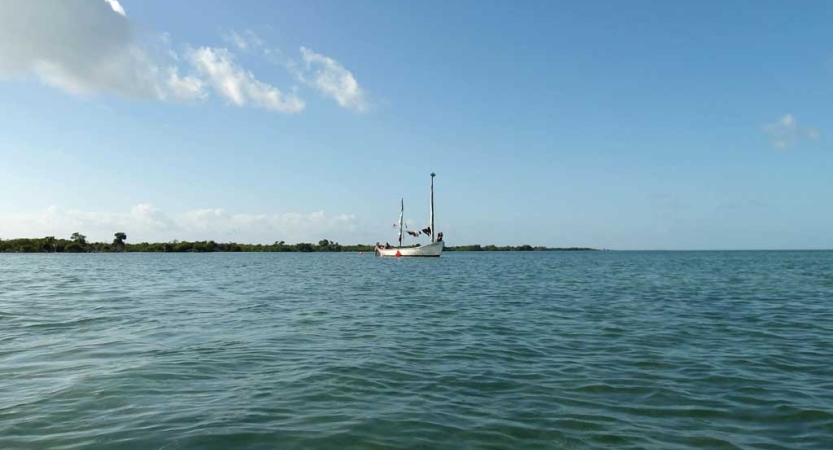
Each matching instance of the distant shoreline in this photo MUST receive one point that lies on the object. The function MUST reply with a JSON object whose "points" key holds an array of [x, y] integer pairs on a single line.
{"points": [[78, 244]]}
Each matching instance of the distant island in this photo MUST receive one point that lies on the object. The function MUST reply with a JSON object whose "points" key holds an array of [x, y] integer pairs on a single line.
{"points": [[78, 243]]}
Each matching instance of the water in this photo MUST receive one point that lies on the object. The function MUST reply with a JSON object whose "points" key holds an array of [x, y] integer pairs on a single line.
{"points": [[626, 350]]}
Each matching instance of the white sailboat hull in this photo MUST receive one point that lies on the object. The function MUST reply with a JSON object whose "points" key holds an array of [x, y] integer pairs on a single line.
{"points": [[434, 249]]}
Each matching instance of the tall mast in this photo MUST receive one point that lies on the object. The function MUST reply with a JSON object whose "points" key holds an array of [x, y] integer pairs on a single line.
{"points": [[432, 206], [401, 211]]}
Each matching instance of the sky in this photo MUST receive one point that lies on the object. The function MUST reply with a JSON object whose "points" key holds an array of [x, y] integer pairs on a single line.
{"points": [[621, 125]]}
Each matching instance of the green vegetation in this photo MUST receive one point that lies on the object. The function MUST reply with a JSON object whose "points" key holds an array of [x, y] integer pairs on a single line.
{"points": [[77, 243], [118, 242]]}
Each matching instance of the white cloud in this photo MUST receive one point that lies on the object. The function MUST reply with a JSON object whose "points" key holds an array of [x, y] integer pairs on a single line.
{"points": [[239, 85], [333, 80], [116, 7], [143, 222], [82, 47], [786, 133]]}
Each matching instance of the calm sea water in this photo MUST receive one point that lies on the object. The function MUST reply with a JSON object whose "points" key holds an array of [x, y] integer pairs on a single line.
{"points": [[626, 350]]}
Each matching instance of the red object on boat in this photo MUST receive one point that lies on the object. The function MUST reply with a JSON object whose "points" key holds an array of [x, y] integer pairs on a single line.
{"points": [[398, 255]]}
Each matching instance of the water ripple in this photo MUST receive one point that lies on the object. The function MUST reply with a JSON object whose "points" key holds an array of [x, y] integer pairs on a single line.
{"points": [[666, 350]]}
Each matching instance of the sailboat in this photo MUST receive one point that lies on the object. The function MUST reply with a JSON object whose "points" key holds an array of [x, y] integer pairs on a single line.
{"points": [[435, 248]]}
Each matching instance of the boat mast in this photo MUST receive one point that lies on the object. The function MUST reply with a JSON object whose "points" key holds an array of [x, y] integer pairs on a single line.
{"points": [[401, 211], [432, 206]]}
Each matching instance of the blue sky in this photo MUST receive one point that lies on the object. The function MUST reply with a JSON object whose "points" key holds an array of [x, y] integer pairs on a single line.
{"points": [[639, 125]]}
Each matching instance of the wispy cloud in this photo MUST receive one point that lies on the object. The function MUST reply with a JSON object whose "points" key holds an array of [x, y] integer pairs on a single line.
{"points": [[238, 85], [247, 40], [333, 80], [786, 133], [144, 222]]}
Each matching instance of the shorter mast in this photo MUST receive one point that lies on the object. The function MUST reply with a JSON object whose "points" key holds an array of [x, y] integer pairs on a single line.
{"points": [[401, 211]]}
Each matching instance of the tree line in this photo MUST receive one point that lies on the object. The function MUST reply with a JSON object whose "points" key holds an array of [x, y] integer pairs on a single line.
{"points": [[77, 243]]}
